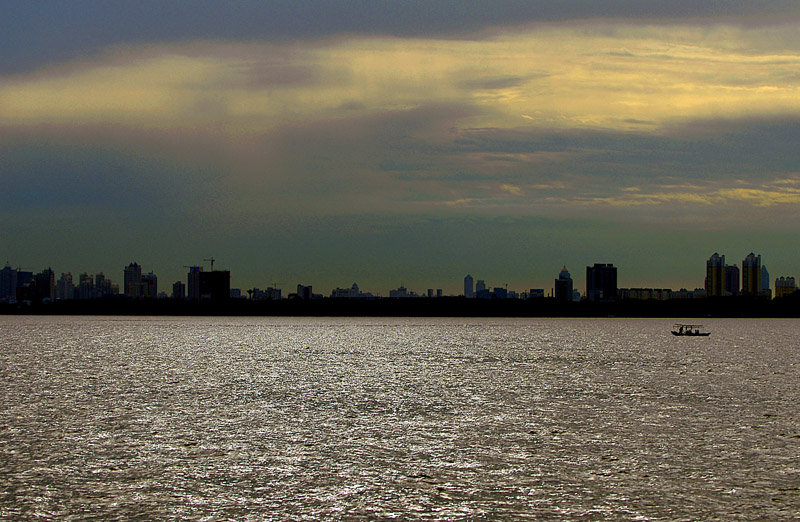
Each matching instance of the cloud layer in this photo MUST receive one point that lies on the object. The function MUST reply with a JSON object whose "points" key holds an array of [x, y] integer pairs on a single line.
{"points": [[683, 127]]}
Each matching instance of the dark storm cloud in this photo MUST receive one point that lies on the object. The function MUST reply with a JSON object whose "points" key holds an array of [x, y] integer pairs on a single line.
{"points": [[48, 31]]}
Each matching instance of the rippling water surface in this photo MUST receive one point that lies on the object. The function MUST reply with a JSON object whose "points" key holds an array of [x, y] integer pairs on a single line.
{"points": [[410, 419]]}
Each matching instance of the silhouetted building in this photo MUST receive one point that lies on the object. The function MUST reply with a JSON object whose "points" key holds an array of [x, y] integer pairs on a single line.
{"points": [[535, 293], [483, 293], [751, 275], [272, 294], [178, 290], [23, 290], [765, 290], [469, 287], [8, 283], [193, 282], [46, 284], [149, 286], [480, 286], [132, 282], [658, 294], [215, 285], [65, 288], [85, 286], [731, 280], [563, 286], [784, 286], [304, 292], [601, 282], [40, 288], [104, 286], [349, 293], [715, 275], [26, 293]]}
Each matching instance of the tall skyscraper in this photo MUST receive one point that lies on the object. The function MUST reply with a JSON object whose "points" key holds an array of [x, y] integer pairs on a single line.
{"points": [[102, 286], [731, 280], [149, 286], [751, 275], [216, 285], [563, 286], [715, 275], [65, 289], [85, 286], [133, 281], [601, 282], [8, 283], [469, 287], [193, 282], [45, 284]]}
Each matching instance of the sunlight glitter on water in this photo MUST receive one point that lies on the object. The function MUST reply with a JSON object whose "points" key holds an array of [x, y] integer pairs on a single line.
{"points": [[426, 419]]}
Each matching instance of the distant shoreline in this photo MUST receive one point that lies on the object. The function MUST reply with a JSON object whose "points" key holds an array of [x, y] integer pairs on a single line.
{"points": [[722, 307]]}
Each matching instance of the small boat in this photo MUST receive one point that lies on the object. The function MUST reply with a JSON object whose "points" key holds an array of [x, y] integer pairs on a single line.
{"points": [[689, 330]]}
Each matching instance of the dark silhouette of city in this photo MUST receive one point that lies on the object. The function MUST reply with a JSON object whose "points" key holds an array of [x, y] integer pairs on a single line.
{"points": [[208, 292]]}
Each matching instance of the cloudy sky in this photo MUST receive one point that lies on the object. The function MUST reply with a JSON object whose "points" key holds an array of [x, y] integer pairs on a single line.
{"points": [[329, 142]]}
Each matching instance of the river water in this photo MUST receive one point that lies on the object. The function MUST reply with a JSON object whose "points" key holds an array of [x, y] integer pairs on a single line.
{"points": [[119, 418]]}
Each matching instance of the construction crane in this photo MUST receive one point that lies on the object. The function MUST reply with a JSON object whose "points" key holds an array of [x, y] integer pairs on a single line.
{"points": [[212, 262]]}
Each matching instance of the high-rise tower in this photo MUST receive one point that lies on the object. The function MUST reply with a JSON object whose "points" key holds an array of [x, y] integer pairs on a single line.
{"points": [[193, 282], [563, 285], [715, 275], [751, 275], [469, 288], [133, 281], [601, 282]]}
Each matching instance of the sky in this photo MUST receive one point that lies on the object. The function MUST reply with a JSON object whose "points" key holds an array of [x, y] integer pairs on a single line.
{"points": [[389, 143]]}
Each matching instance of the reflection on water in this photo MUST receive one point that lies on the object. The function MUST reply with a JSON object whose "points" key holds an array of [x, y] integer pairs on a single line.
{"points": [[413, 419]]}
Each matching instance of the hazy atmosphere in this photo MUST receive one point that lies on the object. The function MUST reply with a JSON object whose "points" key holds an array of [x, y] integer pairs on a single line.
{"points": [[330, 142]]}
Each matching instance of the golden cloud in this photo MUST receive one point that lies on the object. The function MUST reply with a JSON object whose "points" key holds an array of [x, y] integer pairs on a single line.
{"points": [[615, 77], [697, 194], [511, 189]]}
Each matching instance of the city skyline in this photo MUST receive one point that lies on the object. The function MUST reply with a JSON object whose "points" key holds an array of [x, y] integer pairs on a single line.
{"points": [[601, 283], [327, 144]]}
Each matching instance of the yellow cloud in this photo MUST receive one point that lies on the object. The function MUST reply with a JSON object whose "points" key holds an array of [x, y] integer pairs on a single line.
{"points": [[696, 194], [511, 189], [762, 198], [458, 202], [612, 76]]}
